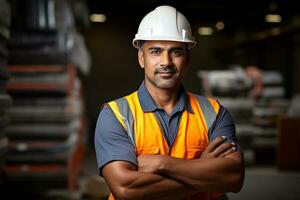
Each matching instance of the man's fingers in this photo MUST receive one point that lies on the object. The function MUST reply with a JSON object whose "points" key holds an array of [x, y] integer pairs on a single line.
{"points": [[229, 151], [215, 143], [222, 149]]}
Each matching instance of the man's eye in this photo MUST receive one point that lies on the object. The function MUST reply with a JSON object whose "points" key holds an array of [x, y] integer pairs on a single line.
{"points": [[177, 53], [155, 52]]}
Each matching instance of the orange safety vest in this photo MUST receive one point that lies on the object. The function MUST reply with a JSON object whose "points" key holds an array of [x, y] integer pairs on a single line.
{"points": [[144, 131]]}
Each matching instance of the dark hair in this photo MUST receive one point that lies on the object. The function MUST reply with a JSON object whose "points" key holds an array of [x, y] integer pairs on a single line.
{"points": [[140, 44]]}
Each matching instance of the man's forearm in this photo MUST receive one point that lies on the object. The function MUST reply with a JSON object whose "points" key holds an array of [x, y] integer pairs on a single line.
{"points": [[207, 175], [133, 184], [151, 186]]}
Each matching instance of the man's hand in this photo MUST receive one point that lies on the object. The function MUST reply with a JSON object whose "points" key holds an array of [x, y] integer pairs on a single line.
{"points": [[216, 149], [150, 163]]}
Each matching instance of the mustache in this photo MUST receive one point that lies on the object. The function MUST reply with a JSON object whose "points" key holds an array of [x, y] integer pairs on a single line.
{"points": [[166, 69]]}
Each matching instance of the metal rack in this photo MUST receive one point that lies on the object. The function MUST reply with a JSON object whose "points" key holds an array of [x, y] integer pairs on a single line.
{"points": [[47, 129]]}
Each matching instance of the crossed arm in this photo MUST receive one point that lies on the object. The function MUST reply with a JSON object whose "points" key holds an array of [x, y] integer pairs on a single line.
{"points": [[219, 169]]}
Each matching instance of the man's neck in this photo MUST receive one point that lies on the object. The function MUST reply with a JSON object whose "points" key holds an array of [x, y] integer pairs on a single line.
{"points": [[164, 98]]}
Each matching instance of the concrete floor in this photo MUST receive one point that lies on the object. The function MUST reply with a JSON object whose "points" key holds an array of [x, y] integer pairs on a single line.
{"points": [[267, 183]]}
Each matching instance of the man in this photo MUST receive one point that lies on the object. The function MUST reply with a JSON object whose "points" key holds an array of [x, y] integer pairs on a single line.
{"points": [[162, 142]]}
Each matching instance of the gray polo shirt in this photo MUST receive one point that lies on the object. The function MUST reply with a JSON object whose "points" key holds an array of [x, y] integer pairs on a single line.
{"points": [[112, 142]]}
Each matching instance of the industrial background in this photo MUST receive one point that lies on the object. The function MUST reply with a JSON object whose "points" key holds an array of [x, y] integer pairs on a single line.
{"points": [[61, 60]]}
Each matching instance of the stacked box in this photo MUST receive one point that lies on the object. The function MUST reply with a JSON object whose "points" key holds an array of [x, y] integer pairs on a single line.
{"points": [[225, 83], [5, 99], [46, 133], [46, 124]]}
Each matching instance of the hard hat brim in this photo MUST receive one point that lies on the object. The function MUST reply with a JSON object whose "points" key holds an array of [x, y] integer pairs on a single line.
{"points": [[190, 43]]}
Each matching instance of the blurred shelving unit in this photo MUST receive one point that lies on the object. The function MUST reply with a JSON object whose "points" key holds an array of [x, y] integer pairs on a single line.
{"points": [[47, 130]]}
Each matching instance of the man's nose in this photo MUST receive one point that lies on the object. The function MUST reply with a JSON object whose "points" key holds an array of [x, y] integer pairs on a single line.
{"points": [[166, 59]]}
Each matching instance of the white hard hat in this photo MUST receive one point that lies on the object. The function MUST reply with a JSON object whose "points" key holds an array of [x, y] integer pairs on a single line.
{"points": [[165, 23]]}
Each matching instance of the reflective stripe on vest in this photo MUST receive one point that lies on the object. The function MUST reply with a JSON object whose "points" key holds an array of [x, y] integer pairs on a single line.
{"points": [[143, 128], [123, 113], [208, 110]]}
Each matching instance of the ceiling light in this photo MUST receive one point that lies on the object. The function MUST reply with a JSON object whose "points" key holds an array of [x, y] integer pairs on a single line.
{"points": [[220, 25], [98, 17], [273, 18], [205, 31]]}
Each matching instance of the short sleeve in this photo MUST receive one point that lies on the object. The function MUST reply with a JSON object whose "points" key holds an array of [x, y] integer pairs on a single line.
{"points": [[224, 126], [111, 140]]}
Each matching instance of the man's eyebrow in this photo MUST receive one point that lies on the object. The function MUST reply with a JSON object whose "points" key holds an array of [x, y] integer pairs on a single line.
{"points": [[171, 49], [176, 48], [155, 48]]}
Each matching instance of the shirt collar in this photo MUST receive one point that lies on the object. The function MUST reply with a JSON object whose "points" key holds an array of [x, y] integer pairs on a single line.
{"points": [[148, 104]]}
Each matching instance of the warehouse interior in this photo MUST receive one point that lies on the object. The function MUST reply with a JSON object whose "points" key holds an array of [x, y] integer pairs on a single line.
{"points": [[61, 60]]}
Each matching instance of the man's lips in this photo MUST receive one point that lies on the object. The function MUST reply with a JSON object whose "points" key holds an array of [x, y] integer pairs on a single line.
{"points": [[166, 73], [166, 70]]}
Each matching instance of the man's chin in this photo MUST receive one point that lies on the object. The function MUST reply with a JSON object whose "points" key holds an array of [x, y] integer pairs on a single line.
{"points": [[167, 84]]}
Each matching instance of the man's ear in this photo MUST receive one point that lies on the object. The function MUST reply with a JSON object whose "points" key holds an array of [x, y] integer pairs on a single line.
{"points": [[141, 58]]}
